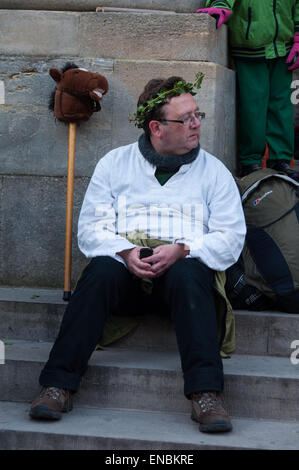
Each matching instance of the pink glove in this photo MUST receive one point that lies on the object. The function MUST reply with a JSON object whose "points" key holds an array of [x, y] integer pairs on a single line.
{"points": [[294, 54], [221, 14]]}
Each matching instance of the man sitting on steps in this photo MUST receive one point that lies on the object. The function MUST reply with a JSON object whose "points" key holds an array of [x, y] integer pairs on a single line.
{"points": [[168, 188]]}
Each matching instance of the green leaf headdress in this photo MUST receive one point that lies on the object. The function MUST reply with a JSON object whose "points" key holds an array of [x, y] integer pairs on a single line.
{"points": [[162, 97]]}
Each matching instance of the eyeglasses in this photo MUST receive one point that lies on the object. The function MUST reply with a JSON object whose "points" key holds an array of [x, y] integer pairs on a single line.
{"points": [[189, 120]]}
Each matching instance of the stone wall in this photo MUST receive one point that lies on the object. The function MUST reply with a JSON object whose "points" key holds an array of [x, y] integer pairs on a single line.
{"points": [[128, 49], [179, 6]]}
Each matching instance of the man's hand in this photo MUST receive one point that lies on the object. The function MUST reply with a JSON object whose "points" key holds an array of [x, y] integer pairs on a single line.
{"points": [[140, 267], [294, 54], [220, 14], [153, 266], [166, 255]]}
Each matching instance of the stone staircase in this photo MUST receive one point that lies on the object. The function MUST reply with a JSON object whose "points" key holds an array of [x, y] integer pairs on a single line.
{"points": [[132, 395]]}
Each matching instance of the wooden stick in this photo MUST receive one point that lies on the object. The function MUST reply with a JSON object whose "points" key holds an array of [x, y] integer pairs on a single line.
{"points": [[69, 212]]}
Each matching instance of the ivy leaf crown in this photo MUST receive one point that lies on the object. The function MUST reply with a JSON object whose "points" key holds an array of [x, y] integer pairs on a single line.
{"points": [[162, 97]]}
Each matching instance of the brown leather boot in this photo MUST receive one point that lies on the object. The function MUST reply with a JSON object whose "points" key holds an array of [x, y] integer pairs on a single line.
{"points": [[208, 411], [51, 403]]}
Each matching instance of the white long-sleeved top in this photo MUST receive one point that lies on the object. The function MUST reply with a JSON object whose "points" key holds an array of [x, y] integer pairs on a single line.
{"points": [[199, 205]]}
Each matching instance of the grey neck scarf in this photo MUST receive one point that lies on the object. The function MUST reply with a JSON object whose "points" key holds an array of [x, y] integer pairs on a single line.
{"points": [[165, 162]]}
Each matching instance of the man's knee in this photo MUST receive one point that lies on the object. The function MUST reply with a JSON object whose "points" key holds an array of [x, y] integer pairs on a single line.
{"points": [[189, 270], [102, 263], [103, 268]]}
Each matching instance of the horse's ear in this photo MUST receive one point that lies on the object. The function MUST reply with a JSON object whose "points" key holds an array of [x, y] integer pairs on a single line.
{"points": [[56, 74], [104, 84]]}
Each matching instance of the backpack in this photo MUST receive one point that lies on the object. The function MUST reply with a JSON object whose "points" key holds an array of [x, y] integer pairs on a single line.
{"points": [[271, 252]]}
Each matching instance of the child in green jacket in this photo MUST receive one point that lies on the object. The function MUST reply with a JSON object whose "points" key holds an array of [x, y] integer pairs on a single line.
{"points": [[264, 36]]}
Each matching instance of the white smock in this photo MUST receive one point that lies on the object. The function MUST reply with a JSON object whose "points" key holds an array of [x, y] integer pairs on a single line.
{"points": [[199, 206]]}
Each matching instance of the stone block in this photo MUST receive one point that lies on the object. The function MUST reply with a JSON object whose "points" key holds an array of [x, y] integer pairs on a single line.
{"points": [[284, 330], [255, 386], [35, 314], [32, 233], [112, 35], [252, 333], [38, 33], [180, 6], [33, 142], [161, 37]]}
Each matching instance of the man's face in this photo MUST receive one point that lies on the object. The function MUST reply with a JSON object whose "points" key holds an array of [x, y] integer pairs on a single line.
{"points": [[177, 138]]}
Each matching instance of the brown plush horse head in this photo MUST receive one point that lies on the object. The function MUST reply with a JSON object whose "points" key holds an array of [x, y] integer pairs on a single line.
{"points": [[78, 93]]}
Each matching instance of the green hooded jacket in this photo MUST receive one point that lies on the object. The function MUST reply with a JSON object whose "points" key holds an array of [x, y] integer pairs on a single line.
{"points": [[260, 29]]}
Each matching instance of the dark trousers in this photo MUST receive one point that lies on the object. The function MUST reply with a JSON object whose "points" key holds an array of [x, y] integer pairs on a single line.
{"points": [[107, 287]]}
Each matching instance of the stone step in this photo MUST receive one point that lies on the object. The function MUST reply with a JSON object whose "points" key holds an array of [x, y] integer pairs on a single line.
{"points": [[180, 6], [35, 314], [125, 35], [111, 429], [255, 386]]}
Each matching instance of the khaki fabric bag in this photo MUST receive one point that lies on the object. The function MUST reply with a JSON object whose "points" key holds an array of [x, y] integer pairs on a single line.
{"points": [[271, 252]]}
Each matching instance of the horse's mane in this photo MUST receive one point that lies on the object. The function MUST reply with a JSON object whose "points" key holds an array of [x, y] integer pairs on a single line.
{"points": [[68, 66]]}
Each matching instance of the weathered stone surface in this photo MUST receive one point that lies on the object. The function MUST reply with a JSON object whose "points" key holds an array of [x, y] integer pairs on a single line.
{"points": [[256, 387], [108, 430], [128, 49], [162, 37], [180, 6], [38, 33], [32, 215], [112, 35], [34, 314], [33, 142]]}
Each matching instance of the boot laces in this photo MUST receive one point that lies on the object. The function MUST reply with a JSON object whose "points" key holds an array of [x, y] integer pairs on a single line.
{"points": [[209, 401], [53, 392]]}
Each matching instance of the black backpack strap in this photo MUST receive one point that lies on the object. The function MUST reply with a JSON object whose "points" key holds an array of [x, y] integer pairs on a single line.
{"points": [[269, 260]]}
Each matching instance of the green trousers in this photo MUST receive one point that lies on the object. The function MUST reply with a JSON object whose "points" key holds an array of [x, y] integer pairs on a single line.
{"points": [[265, 111]]}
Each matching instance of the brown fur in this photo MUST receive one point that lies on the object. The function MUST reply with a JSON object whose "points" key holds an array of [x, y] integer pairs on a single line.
{"points": [[75, 98]]}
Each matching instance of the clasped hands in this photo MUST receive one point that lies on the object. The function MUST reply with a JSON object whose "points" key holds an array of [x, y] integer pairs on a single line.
{"points": [[155, 265]]}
